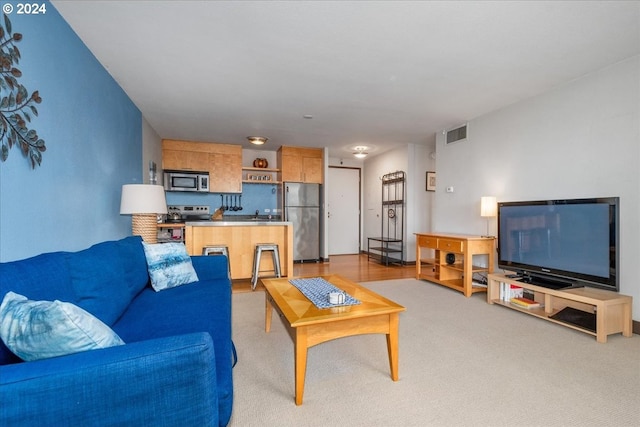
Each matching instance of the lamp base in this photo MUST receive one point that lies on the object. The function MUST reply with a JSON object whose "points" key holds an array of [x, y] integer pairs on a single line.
{"points": [[145, 225]]}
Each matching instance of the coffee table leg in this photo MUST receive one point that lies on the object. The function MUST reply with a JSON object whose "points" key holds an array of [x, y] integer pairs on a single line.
{"points": [[268, 310], [392, 345], [300, 362]]}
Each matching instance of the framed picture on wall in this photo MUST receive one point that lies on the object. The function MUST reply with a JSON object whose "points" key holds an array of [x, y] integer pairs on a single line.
{"points": [[431, 181]]}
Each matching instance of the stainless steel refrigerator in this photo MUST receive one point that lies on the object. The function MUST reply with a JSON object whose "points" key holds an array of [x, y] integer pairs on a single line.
{"points": [[301, 206]]}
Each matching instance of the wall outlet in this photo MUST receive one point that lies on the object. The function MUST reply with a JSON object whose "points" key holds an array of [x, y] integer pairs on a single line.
{"points": [[449, 189], [267, 210]]}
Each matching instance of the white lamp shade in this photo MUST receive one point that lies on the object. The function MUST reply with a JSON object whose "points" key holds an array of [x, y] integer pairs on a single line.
{"points": [[488, 206], [142, 199]]}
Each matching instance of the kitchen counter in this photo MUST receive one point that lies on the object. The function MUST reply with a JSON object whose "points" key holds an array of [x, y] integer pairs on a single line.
{"points": [[241, 237], [246, 222]]}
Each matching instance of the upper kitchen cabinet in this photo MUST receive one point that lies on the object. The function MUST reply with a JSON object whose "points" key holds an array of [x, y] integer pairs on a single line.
{"points": [[222, 161], [227, 164], [184, 160], [300, 164]]}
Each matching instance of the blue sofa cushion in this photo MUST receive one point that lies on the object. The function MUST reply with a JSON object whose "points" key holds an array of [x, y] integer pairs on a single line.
{"points": [[98, 279], [169, 265], [36, 330], [48, 281], [134, 264], [195, 307]]}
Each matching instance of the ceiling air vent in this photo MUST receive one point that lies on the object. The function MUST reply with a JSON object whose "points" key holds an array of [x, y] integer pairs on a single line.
{"points": [[456, 135]]}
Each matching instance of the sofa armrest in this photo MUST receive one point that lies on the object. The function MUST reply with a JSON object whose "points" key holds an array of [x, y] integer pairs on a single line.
{"points": [[211, 267], [161, 382]]}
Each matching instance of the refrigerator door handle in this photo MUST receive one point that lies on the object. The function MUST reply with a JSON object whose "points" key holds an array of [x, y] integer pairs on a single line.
{"points": [[286, 202]]}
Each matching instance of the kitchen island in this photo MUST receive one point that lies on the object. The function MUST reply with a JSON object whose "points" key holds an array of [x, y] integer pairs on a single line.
{"points": [[241, 238]]}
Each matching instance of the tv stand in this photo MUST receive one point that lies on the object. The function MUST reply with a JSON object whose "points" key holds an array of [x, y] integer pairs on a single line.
{"points": [[612, 310]]}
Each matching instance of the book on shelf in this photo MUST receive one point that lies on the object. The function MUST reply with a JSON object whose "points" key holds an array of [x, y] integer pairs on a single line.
{"points": [[525, 302], [509, 291]]}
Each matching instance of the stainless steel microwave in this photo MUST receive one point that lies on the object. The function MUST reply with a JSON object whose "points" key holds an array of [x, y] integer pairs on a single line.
{"points": [[186, 181]]}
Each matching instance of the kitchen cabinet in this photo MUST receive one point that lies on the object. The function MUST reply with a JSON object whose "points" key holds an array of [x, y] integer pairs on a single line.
{"points": [[226, 173], [222, 161], [301, 164], [184, 160]]}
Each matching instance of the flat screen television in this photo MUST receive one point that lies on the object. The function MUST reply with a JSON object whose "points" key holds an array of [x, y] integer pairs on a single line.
{"points": [[561, 243]]}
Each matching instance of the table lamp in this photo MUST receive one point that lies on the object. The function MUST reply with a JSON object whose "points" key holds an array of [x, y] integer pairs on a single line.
{"points": [[144, 202], [488, 209]]}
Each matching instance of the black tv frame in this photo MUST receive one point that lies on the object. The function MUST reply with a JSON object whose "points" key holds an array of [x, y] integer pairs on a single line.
{"points": [[554, 278]]}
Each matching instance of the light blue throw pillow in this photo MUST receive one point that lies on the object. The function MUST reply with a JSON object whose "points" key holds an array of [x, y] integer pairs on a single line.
{"points": [[169, 265], [35, 330]]}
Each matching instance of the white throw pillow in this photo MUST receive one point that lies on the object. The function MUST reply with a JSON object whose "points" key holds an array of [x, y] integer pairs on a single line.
{"points": [[169, 265], [35, 330]]}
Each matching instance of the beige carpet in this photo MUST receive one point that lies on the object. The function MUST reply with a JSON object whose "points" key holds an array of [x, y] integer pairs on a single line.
{"points": [[462, 363]]}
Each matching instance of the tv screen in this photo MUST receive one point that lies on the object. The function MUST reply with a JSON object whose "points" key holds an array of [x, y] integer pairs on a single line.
{"points": [[561, 243]]}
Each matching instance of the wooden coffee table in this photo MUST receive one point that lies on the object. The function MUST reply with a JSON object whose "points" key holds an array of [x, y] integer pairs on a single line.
{"points": [[308, 325]]}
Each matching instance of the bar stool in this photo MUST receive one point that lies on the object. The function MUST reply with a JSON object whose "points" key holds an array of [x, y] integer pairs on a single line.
{"points": [[275, 254], [218, 250]]}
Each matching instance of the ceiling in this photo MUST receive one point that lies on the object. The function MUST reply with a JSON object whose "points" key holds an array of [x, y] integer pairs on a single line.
{"points": [[380, 74]]}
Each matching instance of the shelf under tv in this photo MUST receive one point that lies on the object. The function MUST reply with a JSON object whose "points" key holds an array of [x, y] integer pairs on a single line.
{"points": [[611, 309]]}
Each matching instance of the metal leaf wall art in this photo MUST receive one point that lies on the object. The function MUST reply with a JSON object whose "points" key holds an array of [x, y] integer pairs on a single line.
{"points": [[17, 107]]}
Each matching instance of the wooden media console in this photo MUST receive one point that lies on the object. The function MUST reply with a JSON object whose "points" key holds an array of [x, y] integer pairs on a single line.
{"points": [[612, 311]]}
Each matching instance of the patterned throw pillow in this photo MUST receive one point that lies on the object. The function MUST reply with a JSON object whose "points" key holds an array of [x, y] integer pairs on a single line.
{"points": [[169, 265], [35, 330]]}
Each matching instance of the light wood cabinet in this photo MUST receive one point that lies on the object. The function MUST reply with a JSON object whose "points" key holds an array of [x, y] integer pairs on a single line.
{"points": [[447, 259], [222, 161], [300, 164], [612, 310], [184, 160], [226, 175]]}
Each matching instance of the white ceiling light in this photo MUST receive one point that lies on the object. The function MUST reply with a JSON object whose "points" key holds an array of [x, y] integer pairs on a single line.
{"points": [[360, 152], [257, 140]]}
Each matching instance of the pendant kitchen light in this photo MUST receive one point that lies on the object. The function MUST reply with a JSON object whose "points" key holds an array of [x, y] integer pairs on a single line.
{"points": [[143, 202], [257, 140]]}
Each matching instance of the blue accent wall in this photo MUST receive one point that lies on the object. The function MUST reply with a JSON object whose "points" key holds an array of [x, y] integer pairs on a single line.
{"points": [[93, 135], [254, 197]]}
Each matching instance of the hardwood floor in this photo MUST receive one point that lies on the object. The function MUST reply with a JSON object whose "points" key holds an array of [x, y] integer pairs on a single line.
{"points": [[354, 267]]}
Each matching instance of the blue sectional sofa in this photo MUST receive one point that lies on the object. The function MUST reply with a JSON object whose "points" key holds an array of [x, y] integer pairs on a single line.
{"points": [[175, 368]]}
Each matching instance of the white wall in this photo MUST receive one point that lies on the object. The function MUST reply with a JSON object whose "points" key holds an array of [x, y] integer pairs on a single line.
{"points": [[579, 140], [419, 200], [151, 151]]}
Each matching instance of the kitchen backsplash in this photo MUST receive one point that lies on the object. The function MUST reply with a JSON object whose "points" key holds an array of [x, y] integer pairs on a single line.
{"points": [[254, 197]]}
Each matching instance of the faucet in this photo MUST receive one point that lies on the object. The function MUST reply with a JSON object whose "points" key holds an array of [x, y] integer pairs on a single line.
{"points": [[257, 213]]}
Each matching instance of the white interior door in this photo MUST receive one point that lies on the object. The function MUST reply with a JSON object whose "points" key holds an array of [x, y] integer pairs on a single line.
{"points": [[343, 211]]}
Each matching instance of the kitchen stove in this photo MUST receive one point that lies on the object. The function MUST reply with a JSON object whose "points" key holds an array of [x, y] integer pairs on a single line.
{"points": [[189, 213]]}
